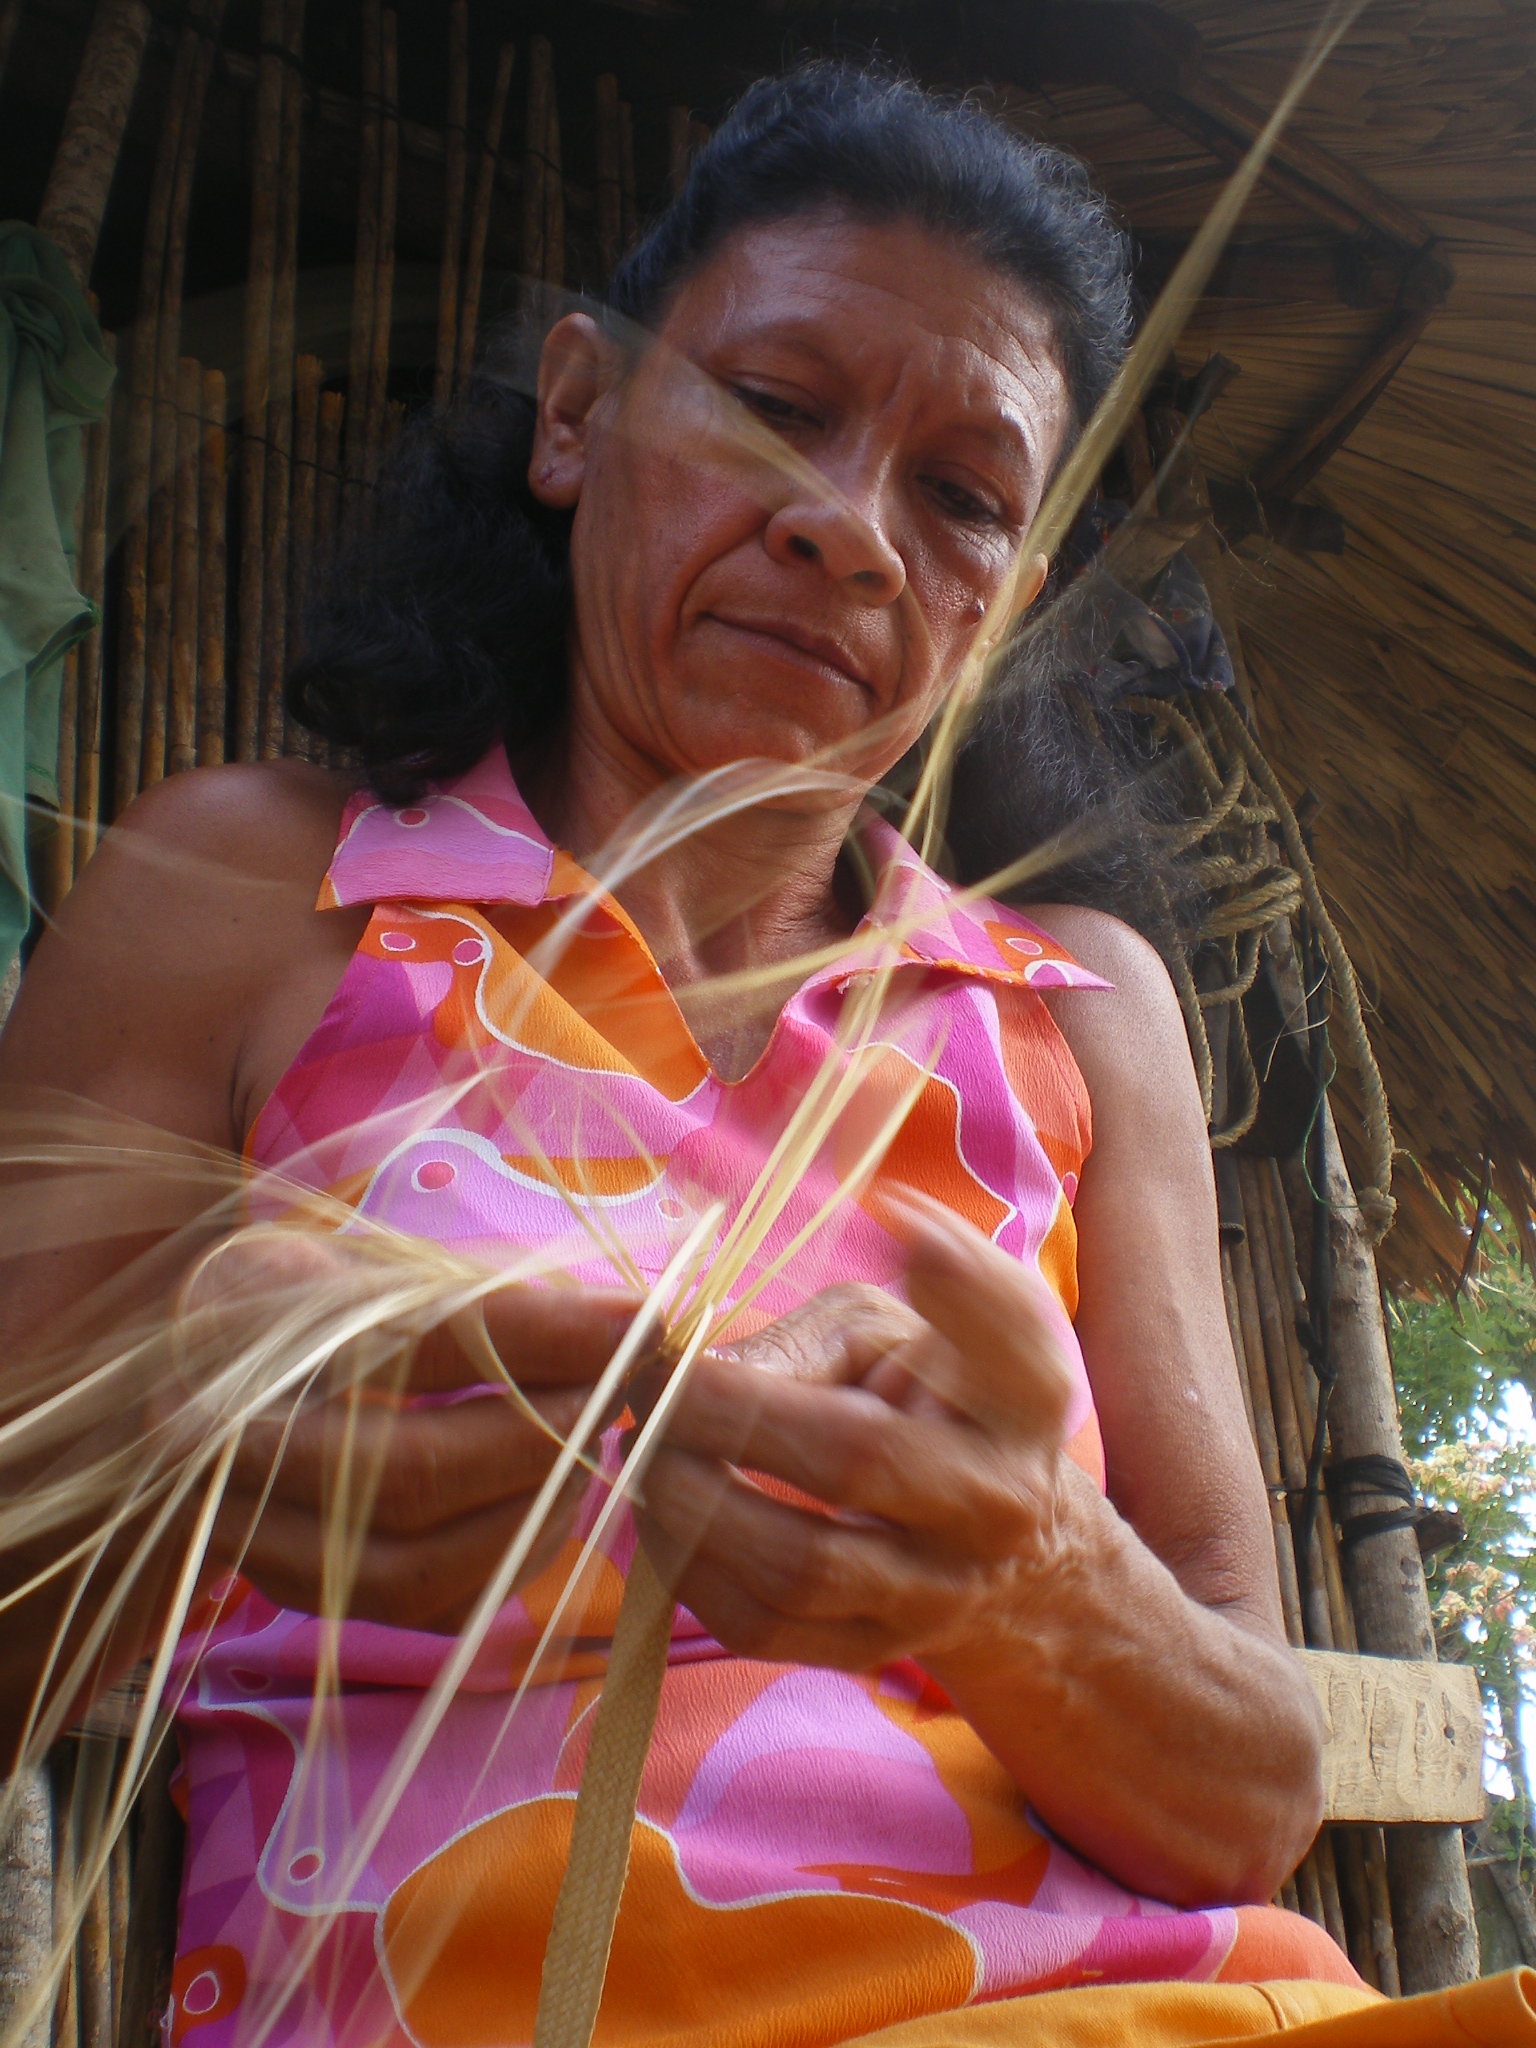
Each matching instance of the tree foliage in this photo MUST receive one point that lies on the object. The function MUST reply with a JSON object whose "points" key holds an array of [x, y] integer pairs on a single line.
{"points": [[1465, 1373]]}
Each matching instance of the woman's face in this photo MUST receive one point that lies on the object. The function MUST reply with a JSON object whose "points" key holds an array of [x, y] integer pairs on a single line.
{"points": [[794, 512]]}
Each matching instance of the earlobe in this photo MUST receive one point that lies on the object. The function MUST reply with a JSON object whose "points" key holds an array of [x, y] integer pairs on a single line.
{"points": [[571, 380]]}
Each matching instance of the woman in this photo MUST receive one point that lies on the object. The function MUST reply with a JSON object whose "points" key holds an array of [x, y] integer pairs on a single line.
{"points": [[945, 1720]]}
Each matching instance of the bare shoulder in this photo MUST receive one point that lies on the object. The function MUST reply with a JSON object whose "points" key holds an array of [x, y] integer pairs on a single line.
{"points": [[269, 815], [1131, 1038], [142, 992]]}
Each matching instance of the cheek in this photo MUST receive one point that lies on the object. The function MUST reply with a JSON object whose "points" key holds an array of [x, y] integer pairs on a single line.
{"points": [[950, 603]]}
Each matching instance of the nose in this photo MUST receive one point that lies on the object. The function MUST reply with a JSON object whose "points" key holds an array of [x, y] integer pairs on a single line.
{"points": [[845, 540]]}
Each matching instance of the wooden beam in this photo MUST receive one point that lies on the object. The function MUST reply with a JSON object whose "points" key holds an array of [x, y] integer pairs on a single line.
{"points": [[1312, 269], [1403, 1741], [1293, 466], [1162, 62]]}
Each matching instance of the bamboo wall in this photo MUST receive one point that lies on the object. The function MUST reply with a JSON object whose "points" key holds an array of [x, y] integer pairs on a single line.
{"points": [[222, 521]]}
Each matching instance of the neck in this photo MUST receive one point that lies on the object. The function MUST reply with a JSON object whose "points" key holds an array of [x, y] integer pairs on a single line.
{"points": [[752, 891]]}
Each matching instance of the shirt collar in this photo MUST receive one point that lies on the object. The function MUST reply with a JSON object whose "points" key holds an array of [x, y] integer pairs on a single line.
{"points": [[474, 840]]}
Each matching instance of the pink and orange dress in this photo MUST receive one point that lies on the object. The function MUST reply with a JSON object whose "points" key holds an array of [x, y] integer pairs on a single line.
{"points": [[816, 1855]]}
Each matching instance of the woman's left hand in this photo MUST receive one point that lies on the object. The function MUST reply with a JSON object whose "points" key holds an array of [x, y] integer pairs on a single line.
{"points": [[932, 1434]]}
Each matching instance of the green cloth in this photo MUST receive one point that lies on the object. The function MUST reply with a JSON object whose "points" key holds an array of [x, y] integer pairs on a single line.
{"points": [[55, 377]]}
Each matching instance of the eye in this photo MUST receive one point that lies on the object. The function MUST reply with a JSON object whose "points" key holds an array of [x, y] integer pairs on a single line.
{"points": [[961, 504], [769, 406]]}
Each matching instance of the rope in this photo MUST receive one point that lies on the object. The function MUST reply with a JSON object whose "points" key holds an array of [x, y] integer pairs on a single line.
{"points": [[581, 1935], [1376, 1205]]}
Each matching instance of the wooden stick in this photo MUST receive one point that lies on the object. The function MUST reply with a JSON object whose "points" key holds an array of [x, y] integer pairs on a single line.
{"points": [[118, 1881], [1383, 1931], [480, 219], [1328, 1883], [258, 360], [453, 200], [554, 201], [631, 212], [66, 2023], [384, 281], [301, 541], [677, 149], [1287, 1428], [183, 130], [609, 193], [274, 599], [93, 1960], [93, 584], [1350, 1863], [327, 508], [211, 512], [157, 1853], [181, 727], [10, 21], [1235, 1327], [1267, 1439], [366, 258], [536, 134], [1282, 1253], [133, 665], [75, 197], [1309, 1892]]}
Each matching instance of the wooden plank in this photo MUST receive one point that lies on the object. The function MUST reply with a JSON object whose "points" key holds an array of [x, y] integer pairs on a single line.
{"points": [[1404, 1739]]}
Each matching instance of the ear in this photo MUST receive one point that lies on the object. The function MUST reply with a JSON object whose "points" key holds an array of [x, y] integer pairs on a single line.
{"points": [[1032, 575], [575, 369]]}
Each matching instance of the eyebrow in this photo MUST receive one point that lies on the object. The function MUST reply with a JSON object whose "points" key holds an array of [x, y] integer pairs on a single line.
{"points": [[1002, 425]]}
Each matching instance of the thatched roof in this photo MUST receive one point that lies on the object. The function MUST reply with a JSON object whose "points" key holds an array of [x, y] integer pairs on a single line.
{"points": [[1396, 680]]}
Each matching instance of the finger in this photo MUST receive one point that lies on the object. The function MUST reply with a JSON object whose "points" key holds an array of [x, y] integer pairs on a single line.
{"points": [[837, 1336], [853, 1450], [747, 1627], [999, 1316], [426, 1582], [420, 1468], [544, 1336], [793, 1560]]}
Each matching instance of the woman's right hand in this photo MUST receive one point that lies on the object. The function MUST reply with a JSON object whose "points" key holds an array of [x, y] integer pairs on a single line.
{"points": [[391, 1500]]}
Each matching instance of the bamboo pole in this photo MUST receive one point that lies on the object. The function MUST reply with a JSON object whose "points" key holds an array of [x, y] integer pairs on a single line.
{"points": [[259, 289], [61, 1767], [93, 1960], [1356, 1899], [554, 200], [366, 259], [384, 275], [10, 21], [75, 198], [630, 210], [274, 597], [152, 1906], [93, 584], [677, 149], [1234, 1325], [212, 569], [535, 137], [181, 726], [328, 485], [1309, 1893], [1436, 1932], [1383, 1930], [1328, 1885], [301, 549], [609, 192], [133, 659], [118, 1880], [183, 132], [480, 218], [453, 200], [1293, 1453], [1252, 1345]]}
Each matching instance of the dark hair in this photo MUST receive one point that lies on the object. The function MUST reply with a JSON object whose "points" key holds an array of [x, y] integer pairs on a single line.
{"points": [[443, 625]]}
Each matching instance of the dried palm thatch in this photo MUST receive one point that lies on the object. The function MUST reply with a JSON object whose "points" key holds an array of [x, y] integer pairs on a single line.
{"points": [[1394, 679]]}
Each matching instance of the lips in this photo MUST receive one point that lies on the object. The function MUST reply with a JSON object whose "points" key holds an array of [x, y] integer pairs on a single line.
{"points": [[820, 650]]}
